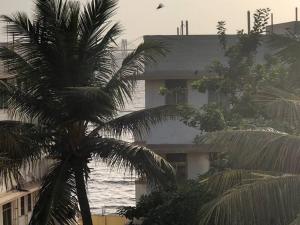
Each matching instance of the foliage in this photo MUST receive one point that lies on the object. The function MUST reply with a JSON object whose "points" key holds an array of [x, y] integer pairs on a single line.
{"points": [[68, 87], [208, 118], [236, 74], [173, 207], [256, 177], [236, 82]]}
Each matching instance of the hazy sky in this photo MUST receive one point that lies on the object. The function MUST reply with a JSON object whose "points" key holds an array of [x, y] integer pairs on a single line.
{"points": [[140, 17]]}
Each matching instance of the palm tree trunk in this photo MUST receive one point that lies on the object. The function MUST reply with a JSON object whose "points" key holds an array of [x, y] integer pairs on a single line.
{"points": [[82, 197]]}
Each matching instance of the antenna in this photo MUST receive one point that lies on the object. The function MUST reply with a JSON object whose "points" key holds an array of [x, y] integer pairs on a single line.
{"points": [[187, 27], [249, 21]]}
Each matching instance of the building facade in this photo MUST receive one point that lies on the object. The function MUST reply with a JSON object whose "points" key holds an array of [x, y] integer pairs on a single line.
{"points": [[188, 59], [17, 199]]}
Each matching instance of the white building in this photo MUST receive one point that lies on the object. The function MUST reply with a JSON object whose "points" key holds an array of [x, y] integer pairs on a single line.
{"points": [[187, 60], [16, 205]]}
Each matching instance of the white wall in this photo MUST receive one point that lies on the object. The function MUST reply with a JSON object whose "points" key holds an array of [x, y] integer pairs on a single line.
{"points": [[198, 164], [171, 132], [140, 190], [3, 115]]}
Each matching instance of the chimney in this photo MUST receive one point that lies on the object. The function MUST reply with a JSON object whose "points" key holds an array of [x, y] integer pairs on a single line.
{"points": [[249, 21], [187, 27]]}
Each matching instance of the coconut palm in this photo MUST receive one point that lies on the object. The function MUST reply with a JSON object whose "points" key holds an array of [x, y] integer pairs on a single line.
{"points": [[260, 185], [67, 89]]}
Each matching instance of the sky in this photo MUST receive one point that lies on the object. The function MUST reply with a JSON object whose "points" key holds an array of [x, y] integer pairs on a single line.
{"points": [[140, 17]]}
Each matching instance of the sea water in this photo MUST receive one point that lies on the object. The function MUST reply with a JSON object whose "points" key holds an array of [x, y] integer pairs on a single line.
{"points": [[109, 189]]}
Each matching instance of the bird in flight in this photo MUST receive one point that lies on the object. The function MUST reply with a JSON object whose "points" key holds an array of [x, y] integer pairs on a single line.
{"points": [[160, 6]]}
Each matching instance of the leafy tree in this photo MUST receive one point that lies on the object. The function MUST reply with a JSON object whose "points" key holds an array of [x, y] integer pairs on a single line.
{"points": [[208, 118], [237, 80], [67, 90], [172, 207], [255, 177], [260, 180]]}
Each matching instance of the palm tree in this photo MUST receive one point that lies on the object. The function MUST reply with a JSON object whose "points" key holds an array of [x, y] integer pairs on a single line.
{"points": [[66, 90], [260, 185]]}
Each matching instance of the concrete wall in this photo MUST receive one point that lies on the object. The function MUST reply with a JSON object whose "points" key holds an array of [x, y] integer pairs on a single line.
{"points": [[107, 220], [171, 132], [192, 54], [285, 28], [187, 53], [197, 164], [141, 188], [3, 115]]}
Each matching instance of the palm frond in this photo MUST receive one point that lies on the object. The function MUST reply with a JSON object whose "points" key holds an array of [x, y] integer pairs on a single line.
{"points": [[56, 203], [296, 221], [269, 201], [222, 181], [280, 105], [78, 99], [123, 82], [287, 46], [20, 26], [256, 150], [20, 144], [95, 19], [120, 154], [31, 105], [17, 65], [138, 122], [98, 59]]}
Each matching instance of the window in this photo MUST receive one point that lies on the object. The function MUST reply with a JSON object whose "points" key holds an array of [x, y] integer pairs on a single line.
{"points": [[7, 214], [29, 203], [179, 162], [176, 92], [22, 206]]}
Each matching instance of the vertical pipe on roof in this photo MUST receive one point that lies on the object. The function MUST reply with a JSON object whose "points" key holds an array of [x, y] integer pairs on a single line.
{"points": [[187, 27], [181, 27], [272, 23], [249, 21]]}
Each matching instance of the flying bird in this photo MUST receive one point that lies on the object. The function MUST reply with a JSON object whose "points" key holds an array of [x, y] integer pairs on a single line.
{"points": [[160, 6]]}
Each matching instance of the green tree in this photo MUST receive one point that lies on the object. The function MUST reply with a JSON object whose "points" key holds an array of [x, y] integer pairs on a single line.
{"points": [[67, 90], [260, 177], [170, 207], [235, 82]]}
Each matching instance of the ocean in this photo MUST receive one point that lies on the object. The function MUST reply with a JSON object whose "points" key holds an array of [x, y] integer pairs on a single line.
{"points": [[108, 189]]}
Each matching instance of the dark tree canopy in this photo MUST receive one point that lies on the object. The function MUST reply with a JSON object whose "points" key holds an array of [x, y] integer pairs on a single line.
{"points": [[67, 90]]}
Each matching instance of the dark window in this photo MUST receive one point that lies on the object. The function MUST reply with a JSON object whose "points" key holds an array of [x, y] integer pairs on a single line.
{"points": [[176, 92], [179, 162], [7, 214], [22, 206], [29, 203]]}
